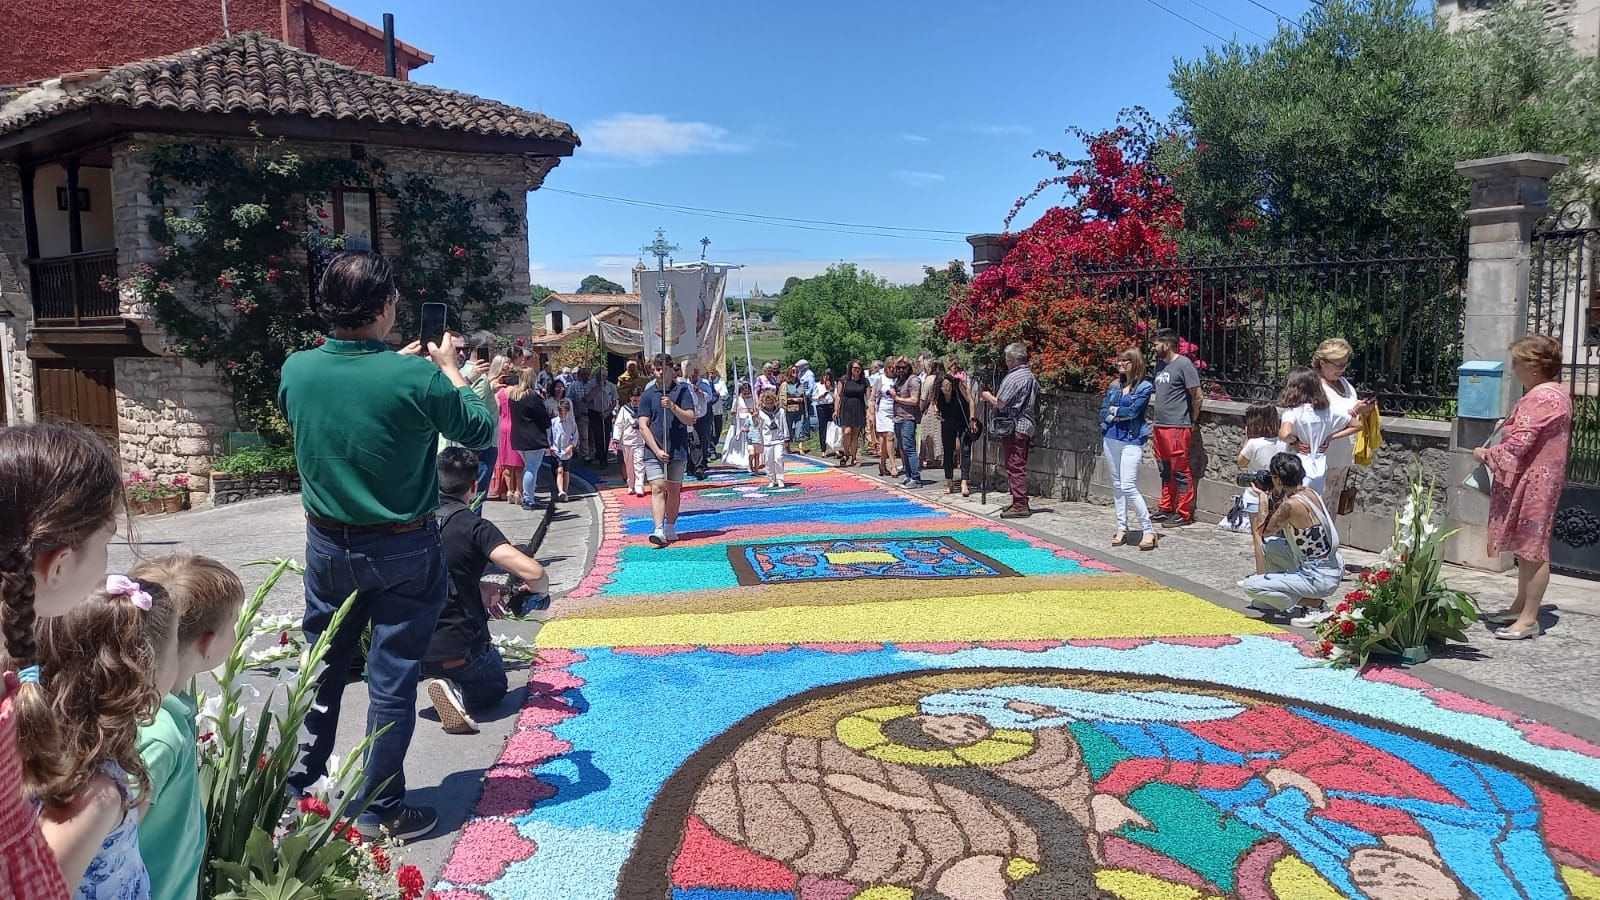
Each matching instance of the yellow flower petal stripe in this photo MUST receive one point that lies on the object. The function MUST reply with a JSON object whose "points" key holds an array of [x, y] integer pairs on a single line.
{"points": [[883, 892], [1291, 877], [1582, 885], [1033, 615], [852, 557], [1139, 886]]}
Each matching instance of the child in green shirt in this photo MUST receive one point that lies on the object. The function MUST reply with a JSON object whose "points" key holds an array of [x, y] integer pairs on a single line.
{"points": [[172, 835]]}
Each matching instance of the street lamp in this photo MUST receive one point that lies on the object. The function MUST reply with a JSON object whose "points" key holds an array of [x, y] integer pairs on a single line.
{"points": [[660, 249]]}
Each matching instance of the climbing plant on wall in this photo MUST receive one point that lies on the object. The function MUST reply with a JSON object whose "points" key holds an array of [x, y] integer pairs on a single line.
{"points": [[236, 229]]}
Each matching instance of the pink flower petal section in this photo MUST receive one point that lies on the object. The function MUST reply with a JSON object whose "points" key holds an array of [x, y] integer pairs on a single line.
{"points": [[542, 712], [511, 792], [1397, 677], [1463, 704], [457, 894], [1545, 736], [531, 748], [557, 658], [495, 845]]}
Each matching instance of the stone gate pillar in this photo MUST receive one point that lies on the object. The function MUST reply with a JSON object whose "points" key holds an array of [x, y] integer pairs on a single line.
{"points": [[1509, 195], [987, 249]]}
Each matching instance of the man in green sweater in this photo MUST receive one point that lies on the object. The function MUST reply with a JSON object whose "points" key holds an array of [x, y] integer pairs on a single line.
{"points": [[367, 422]]}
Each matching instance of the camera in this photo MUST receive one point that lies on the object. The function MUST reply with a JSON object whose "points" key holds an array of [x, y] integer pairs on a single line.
{"points": [[523, 601], [1259, 479]]}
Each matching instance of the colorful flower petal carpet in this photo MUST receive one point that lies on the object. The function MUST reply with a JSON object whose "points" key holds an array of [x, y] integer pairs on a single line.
{"points": [[840, 691]]}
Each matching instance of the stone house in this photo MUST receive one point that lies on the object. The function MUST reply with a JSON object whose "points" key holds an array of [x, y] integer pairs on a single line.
{"points": [[568, 315], [74, 216]]}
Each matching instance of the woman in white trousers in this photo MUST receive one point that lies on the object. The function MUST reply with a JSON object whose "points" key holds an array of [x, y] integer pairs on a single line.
{"points": [[1124, 429]]}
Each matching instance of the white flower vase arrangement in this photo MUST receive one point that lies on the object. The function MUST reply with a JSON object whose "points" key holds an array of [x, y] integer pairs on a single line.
{"points": [[1402, 605], [261, 842]]}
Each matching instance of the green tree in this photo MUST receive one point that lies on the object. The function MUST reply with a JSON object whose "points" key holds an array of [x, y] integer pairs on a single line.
{"points": [[789, 284], [843, 314], [1347, 127], [537, 292], [931, 298], [599, 284]]}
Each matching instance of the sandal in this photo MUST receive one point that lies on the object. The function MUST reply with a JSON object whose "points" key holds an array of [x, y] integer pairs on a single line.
{"points": [[1513, 634], [1148, 542], [1118, 539]]}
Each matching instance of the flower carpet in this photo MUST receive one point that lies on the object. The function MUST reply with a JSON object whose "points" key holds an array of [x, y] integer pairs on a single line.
{"points": [[919, 704]]}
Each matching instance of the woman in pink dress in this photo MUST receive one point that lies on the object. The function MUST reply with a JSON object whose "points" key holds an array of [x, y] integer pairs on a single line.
{"points": [[508, 464], [1530, 469]]}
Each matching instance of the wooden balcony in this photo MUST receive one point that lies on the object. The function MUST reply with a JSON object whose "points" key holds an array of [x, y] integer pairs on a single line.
{"points": [[76, 291]]}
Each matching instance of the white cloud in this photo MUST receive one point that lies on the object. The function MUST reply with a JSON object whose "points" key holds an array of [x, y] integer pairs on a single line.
{"points": [[1003, 130], [918, 179], [649, 137], [914, 138]]}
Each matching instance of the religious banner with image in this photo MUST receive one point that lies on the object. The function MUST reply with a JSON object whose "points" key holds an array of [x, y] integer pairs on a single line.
{"points": [[696, 314]]}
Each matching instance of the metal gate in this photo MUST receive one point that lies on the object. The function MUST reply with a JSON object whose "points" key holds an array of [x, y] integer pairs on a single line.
{"points": [[1564, 302]]}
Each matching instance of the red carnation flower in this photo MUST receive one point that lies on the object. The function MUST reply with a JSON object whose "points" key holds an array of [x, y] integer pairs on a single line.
{"points": [[411, 882], [1356, 596], [1347, 627], [1326, 646], [283, 639], [381, 860], [314, 806], [1384, 576], [320, 341], [261, 763]]}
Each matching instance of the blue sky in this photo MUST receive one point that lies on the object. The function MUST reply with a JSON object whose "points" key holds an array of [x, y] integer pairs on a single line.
{"points": [[918, 115]]}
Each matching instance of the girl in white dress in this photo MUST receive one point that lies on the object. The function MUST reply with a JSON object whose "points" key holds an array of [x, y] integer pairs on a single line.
{"points": [[741, 452]]}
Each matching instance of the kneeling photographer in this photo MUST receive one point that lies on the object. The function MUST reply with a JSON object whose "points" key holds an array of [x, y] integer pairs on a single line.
{"points": [[1296, 546]]}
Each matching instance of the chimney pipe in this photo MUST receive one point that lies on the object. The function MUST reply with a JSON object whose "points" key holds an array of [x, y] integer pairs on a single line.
{"points": [[388, 44]]}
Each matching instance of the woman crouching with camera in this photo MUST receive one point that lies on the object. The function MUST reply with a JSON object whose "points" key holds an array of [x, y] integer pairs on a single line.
{"points": [[1297, 548]]}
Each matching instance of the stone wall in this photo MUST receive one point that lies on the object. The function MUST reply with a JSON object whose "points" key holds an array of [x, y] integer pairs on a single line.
{"points": [[1066, 464], [226, 489], [1576, 20], [172, 415]]}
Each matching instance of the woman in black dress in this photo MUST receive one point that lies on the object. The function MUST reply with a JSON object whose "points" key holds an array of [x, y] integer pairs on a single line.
{"points": [[956, 421], [852, 410], [530, 431]]}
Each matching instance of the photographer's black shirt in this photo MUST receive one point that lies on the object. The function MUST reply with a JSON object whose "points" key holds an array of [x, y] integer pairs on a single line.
{"points": [[463, 629]]}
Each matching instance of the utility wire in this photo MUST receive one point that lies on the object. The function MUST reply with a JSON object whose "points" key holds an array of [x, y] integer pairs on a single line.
{"points": [[779, 221], [1173, 12], [1281, 18], [1234, 22]]}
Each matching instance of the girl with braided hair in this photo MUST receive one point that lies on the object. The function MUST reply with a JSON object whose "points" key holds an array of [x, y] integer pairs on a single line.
{"points": [[60, 497]]}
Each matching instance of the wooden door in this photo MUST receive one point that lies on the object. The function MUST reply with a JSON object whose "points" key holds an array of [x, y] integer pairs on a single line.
{"points": [[78, 391]]}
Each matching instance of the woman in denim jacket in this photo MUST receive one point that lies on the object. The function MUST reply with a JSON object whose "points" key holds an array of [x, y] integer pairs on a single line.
{"points": [[1124, 430]]}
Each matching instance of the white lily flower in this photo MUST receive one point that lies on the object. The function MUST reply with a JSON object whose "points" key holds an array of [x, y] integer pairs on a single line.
{"points": [[1357, 614]]}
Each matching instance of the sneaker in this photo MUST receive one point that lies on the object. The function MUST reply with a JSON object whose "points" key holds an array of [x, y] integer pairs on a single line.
{"points": [[670, 532], [1160, 515], [1312, 618], [562, 497], [658, 538], [452, 709], [1176, 521], [410, 823], [1015, 512]]}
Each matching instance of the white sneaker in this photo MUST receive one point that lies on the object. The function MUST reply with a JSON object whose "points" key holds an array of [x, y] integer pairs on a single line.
{"points": [[563, 496], [658, 537], [1312, 618], [451, 708], [670, 532]]}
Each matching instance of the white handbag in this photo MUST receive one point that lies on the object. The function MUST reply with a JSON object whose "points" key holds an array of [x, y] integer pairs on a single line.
{"points": [[1481, 478]]}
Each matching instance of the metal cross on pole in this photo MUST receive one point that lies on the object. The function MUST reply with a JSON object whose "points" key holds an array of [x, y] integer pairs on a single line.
{"points": [[660, 249], [704, 243]]}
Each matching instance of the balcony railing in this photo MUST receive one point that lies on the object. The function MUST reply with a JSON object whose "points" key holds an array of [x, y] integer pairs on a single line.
{"points": [[76, 290]]}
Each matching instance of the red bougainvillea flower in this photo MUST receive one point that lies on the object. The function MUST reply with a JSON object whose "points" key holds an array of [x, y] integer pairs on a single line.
{"points": [[411, 882], [224, 282], [314, 806], [322, 213], [273, 275]]}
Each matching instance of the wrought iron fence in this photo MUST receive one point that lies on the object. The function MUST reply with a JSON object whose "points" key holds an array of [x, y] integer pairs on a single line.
{"points": [[1564, 302], [1255, 316]]}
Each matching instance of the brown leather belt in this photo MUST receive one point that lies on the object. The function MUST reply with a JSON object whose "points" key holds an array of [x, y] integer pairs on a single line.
{"points": [[417, 524]]}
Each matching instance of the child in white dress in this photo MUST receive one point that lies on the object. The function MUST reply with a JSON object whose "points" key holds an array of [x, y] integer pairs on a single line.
{"points": [[771, 433]]}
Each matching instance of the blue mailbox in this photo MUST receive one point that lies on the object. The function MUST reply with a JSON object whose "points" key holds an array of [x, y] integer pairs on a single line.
{"points": [[1479, 394]]}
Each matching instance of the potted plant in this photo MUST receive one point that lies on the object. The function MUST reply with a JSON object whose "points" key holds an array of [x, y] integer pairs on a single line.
{"points": [[143, 493], [1402, 605], [175, 494]]}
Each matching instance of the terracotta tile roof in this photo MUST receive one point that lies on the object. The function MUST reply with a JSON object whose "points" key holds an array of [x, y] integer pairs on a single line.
{"points": [[253, 74], [593, 299]]}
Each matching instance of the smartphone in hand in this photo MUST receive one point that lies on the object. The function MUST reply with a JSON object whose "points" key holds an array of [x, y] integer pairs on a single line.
{"points": [[433, 324]]}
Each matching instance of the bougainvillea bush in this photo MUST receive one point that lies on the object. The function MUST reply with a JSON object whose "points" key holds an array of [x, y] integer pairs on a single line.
{"points": [[1120, 216]]}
